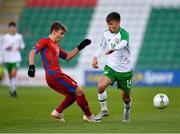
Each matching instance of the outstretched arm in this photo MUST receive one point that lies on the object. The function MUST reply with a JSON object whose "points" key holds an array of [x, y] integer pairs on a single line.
{"points": [[75, 51], [72, 53]]}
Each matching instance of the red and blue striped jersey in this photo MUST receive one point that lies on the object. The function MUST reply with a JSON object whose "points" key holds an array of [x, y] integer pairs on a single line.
{"points": [[50, 54]]}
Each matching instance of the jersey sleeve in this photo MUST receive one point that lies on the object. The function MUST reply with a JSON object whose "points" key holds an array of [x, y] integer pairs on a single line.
{"points": [[4, 45], [124, 35], [124, 40], [62, 53], [42, 43], [121, 45], [102, 48]]}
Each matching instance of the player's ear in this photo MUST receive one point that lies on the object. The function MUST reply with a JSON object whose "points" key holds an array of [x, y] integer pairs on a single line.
{"points": [[53, 32]]}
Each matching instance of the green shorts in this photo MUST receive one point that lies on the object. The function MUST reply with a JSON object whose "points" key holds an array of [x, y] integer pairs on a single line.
{"points": [[124, 80], [11, 66]]}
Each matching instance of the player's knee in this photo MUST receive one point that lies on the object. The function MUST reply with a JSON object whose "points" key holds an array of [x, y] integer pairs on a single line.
{"points": [[126, 99], [13, 73], [100, 86]]}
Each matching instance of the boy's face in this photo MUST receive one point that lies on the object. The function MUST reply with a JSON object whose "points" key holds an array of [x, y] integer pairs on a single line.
{"points": [[59, 35], [113, 26], [12, 29]]}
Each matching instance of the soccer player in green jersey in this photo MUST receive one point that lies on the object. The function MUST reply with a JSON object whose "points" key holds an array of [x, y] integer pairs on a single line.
{"points": [[115, 44]]}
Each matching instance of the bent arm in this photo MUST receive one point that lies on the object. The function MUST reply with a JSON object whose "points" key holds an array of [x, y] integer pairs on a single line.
{"points": [[32, 56], [121, 45], [75, 51], [72, 54]]}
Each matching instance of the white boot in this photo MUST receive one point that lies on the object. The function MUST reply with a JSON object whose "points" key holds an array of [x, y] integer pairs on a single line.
{"points": [[102, 114], [90, 118], [58, 116]]}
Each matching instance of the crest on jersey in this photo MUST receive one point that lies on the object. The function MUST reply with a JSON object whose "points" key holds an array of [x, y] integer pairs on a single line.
{"points": [[117, 41], [113, 45]]}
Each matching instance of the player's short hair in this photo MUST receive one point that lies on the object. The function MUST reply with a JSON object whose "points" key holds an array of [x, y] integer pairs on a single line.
{"points": [[57, 26], [12, 23], [113, 16]]}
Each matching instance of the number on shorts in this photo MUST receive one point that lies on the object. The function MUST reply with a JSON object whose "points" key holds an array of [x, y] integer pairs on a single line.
{"points": [[129, 83]]}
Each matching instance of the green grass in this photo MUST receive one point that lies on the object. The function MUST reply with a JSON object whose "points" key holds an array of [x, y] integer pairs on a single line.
{"points": [[30, 112]]}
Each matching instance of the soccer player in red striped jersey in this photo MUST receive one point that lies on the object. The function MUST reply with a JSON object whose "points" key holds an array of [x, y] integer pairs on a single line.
{"points": [[56, 79]]}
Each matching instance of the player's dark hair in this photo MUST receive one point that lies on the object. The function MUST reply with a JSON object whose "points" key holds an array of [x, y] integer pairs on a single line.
{"points": [[57, 26], [12, 23], [113, 16]]}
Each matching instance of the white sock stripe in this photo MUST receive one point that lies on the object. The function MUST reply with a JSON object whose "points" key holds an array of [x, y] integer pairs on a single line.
{"points": [[102, 96], [103, 105], [13, 84]]}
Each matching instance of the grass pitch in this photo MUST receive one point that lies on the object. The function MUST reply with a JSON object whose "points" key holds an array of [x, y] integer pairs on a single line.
{"points": [[30, 112]]}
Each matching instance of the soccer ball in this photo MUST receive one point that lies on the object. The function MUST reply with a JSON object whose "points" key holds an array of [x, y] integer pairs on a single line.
{"points": [[160, 101]]}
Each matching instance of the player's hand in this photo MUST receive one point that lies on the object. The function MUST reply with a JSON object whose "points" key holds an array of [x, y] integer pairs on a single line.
{"points": [[109, 51], [94, 63], [83, 44], [31, 71]]}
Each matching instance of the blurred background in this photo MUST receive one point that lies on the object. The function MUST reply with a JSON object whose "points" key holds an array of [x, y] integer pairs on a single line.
{"points": [[153, 25], [154, 29]]}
